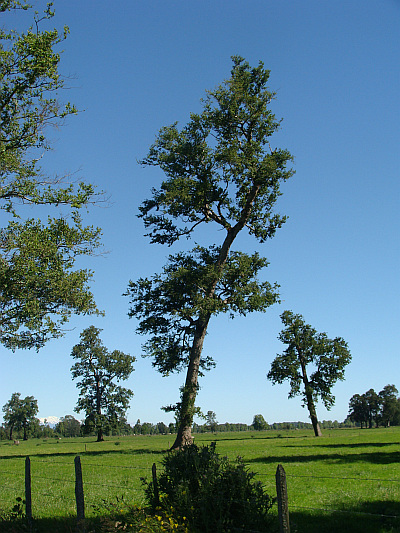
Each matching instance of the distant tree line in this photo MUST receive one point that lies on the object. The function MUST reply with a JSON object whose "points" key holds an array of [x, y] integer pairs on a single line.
{"points": [[366, 410], [375, 409]]}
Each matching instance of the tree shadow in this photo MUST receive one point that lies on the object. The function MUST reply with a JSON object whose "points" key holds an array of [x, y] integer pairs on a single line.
{"points": [[365, 517], [353, 445], [382, 458], [50, 525], [95, 453]]}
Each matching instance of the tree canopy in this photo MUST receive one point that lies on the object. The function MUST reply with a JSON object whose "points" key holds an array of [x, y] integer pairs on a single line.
{"points": [[40, 286], [220, 171], [370, 407], [20, 413], [305, 346], [99, 371]]}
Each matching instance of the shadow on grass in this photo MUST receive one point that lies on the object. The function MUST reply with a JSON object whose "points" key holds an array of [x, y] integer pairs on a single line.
{"points": [[139, 451], [213, 437], [343, 445], [367, 517], [50, 525], [382, 458]]}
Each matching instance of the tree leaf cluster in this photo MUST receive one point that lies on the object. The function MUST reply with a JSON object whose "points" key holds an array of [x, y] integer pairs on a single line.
{"points": [[170, 304], [220, 167], [40, 286]]}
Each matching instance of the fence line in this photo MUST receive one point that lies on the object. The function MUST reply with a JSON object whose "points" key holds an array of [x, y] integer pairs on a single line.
{"points": [[283, 506]]}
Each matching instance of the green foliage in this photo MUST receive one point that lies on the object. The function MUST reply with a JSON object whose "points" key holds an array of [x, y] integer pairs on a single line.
{"points": [[307, 347], [370, 407], [125, 517], [220, 167], [14, 520], [220, 170], [68, 426], [171, 304], [20, 414], [211, 492], [40, 286], [101, 398], [259, 423]]}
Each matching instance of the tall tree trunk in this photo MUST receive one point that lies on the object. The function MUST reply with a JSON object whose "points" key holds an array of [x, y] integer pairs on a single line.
{"points": [[310, 400], [313, 415], [184, 435], [100, 437]]}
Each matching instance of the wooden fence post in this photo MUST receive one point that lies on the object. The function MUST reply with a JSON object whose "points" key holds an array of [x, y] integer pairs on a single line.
{"points": [[80, 500], [28, 490], [155, 484], [283, 506]]}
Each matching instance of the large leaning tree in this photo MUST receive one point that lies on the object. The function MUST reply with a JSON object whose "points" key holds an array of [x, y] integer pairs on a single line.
{"points": [[312, 363], [99, 372], [40, 286], [220, 172]]}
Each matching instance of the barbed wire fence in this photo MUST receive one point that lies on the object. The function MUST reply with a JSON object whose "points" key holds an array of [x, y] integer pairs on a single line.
{"points": [[72, 480]]}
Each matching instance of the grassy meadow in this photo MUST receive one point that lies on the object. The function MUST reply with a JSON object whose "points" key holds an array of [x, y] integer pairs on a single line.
{"points": [[347, 480]]}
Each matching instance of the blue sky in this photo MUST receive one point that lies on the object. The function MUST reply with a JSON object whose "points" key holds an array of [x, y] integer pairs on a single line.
{"points": [[135, 67]]}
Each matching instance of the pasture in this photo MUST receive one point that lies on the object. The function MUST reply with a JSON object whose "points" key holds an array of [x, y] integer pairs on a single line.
{"points": [[346, 481]]}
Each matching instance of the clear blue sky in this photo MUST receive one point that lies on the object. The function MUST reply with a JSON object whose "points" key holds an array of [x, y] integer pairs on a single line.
{"points": [[137, 66]]}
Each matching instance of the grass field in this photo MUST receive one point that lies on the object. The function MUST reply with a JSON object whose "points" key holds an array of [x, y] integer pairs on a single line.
{"points": [[345, 481]]}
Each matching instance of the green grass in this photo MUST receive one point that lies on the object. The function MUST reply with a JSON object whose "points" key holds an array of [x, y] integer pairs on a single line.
{"points": [[347, 480]]}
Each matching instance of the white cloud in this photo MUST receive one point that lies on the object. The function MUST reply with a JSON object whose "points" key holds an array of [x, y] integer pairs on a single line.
{"points": [[51, 420]]}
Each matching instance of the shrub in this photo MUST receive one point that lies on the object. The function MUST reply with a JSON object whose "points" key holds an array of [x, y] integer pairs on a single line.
{"points": [[212, 493]]}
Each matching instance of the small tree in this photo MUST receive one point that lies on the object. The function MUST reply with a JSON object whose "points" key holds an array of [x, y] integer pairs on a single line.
{"points": [[259, 423], [211, 421], [328, 358], [11, 410], [389, 404], [99, 370], [373, 407], [68, 426], [221, 172], [358, 409], [20, 414]]}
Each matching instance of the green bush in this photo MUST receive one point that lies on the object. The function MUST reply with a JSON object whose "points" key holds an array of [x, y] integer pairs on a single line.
{"points": [[210, 492]]}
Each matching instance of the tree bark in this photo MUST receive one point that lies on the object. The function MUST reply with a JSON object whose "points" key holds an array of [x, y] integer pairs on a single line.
{"points": [[309, 398], [184, 435], [313, 416], [100, 437]]}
